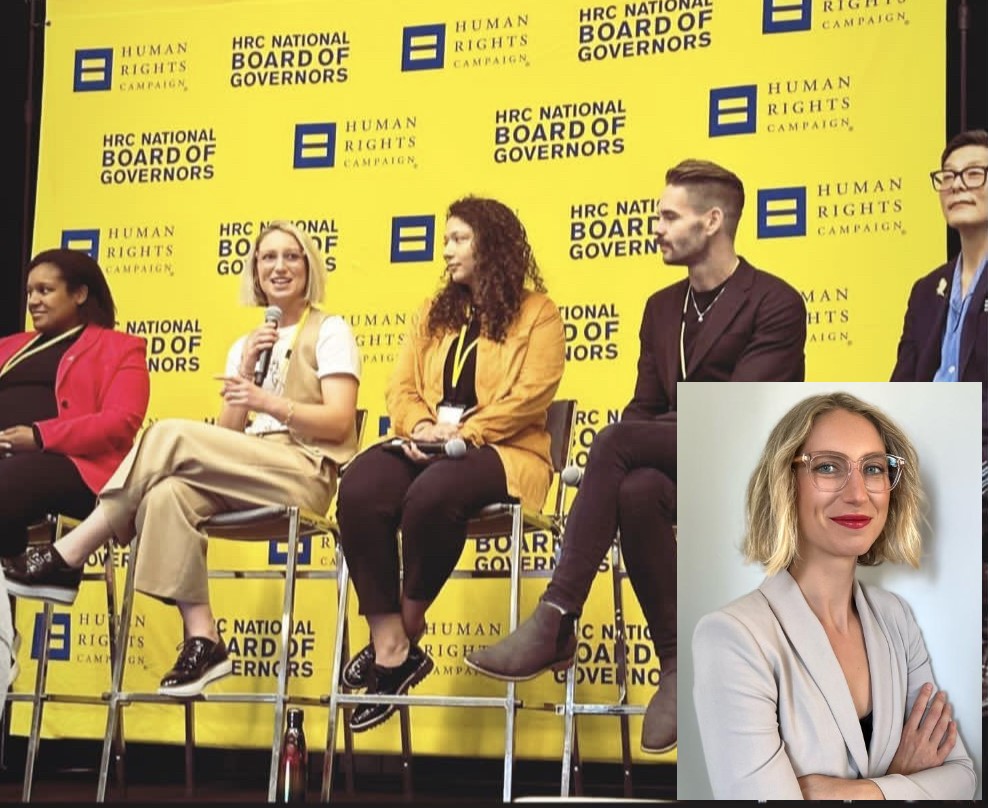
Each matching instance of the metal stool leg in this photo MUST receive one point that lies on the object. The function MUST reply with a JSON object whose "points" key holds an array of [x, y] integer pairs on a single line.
{"points": [[113, 737], [339, 644], [287, 618], [38, 702]]}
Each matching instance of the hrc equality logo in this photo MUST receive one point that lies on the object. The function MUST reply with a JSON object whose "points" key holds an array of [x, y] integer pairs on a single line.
{"points": [[413, 238], [781, 212], [315, 145], [278, 551], [786, 16], [86, 241], [60, 639], [93, 70], [733, 110], [423, 47]]}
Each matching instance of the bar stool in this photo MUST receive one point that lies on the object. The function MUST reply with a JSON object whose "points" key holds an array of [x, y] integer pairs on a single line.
{"points": [[571, 708], [619, 706], [49, 530], [494, 521], [288, 523]]}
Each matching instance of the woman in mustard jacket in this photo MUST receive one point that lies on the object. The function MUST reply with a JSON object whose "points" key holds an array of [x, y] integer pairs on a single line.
{"points": [[478, 370]]}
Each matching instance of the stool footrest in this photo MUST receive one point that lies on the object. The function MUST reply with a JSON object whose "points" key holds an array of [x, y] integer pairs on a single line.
{"points": [[235, 698], [602, 709], [429, 701]]}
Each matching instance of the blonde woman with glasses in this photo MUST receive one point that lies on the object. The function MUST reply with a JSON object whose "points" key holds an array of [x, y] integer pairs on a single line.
{"points": [[287, 423], [816, 685]]}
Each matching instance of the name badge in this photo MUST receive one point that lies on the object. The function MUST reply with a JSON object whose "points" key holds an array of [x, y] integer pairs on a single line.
{"points": [[449, 414]]}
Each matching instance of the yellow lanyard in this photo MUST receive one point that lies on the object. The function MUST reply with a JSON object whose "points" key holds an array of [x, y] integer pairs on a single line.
{"points": [[31, 348], [461, 355]]}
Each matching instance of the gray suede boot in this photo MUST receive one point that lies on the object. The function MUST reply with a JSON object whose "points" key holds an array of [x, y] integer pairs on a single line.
{"points": [[545, 640], [659, 725]]}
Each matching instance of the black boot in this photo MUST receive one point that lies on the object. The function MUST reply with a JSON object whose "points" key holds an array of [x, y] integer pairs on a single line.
{"points": [[547, 639]]}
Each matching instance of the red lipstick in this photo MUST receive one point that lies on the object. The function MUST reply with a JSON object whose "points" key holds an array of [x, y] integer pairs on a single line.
{"points": [[853, 521]]}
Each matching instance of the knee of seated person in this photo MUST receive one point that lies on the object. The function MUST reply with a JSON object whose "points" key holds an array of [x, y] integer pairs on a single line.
{"points": [[648, 485], [166, 431], [606, 441], [422, 509]]}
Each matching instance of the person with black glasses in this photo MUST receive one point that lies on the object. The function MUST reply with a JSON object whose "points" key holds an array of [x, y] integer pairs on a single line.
{"points": [[945, 330]]}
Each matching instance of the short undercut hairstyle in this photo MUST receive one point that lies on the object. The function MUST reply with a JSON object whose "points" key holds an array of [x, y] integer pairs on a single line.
{"points": [[711, 186]]}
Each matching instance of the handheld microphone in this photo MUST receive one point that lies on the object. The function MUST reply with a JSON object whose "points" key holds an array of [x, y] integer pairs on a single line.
{"points": [[272, 314], [454, 447], [571, 475]]}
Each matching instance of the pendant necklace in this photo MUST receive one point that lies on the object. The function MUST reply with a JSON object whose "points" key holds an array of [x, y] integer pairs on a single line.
{"points": [[700, 314]]}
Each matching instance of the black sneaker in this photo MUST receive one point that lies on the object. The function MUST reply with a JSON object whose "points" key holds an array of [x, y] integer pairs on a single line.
{"points": [[40, 573], [200, 661], [390, 682], [356, 672]]}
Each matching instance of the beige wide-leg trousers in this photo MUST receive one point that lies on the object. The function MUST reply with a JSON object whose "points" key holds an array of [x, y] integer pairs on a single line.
{"points": [[179, 473]]}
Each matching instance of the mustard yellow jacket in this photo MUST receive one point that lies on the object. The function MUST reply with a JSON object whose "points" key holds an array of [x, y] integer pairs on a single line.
{"points": [[516, 382]]}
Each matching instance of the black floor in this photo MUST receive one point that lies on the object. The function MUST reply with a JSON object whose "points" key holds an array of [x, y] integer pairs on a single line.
{"points": [[67, 771]]}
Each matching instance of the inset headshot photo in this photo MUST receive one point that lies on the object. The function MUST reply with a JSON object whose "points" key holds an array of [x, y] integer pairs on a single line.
{"points": [[829, 590]]}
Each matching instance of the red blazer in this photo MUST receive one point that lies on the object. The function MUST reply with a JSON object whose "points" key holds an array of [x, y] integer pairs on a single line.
{"points": [[102, 389]]}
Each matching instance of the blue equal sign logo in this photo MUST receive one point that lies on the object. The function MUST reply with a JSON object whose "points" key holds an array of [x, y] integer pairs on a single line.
{"points": [[423, 47], [733, 110], [59, 640], [315, 145], [93, 70], [278, 551], [86, 241], [413, 238], [781, 212], [784, 16]]}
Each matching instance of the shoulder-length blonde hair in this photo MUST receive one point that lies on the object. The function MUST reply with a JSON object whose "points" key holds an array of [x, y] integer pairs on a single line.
{"points": [[251, 293], [771, 530]]}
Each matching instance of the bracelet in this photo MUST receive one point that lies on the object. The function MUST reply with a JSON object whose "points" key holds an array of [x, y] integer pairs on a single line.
{"points": [[291, 413]]}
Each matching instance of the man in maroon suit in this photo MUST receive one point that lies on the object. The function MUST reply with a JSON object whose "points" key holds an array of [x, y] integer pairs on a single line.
{"points": [[725, 321]]}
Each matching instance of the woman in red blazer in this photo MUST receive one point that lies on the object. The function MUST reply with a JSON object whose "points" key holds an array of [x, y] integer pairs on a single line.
{"points": [[73, 395]]}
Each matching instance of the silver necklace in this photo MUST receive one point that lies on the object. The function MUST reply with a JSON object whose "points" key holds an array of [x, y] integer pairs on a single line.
{"points": [[700, 314]]}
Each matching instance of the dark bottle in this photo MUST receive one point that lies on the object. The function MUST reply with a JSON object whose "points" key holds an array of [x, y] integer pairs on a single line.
{"points": [[294, 764]]}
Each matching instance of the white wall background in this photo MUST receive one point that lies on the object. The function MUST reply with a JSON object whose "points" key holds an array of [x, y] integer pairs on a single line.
{"points": [[722, 429]]}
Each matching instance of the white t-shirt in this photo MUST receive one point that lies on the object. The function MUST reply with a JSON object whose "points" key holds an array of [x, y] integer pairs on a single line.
{"points": [[336, 352]]}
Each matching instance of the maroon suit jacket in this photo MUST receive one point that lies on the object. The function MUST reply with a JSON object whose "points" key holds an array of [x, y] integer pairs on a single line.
{"points": [[102, 388], [756, 332]]}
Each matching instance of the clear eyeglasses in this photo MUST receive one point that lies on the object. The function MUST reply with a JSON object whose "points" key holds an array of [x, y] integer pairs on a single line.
{"points": [[269, 259], [971, 177], [830, 471]]}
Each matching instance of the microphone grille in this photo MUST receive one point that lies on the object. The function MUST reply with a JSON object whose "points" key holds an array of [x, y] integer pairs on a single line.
{"points": [[456, 447], [272, 314], [571, 475]]}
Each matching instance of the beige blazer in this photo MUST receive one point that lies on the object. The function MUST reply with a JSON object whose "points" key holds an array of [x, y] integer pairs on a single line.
{"points": [[773, 704]]}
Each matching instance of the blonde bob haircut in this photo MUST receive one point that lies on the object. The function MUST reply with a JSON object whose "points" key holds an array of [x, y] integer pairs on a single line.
{"points": [[772, 527], [251, 293]]}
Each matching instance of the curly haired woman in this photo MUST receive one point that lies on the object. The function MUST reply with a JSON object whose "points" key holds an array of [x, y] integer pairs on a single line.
{"points": [[481, 364]]}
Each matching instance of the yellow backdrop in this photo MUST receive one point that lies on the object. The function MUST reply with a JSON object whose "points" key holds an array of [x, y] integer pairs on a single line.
{"points": [[172, 130]]}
